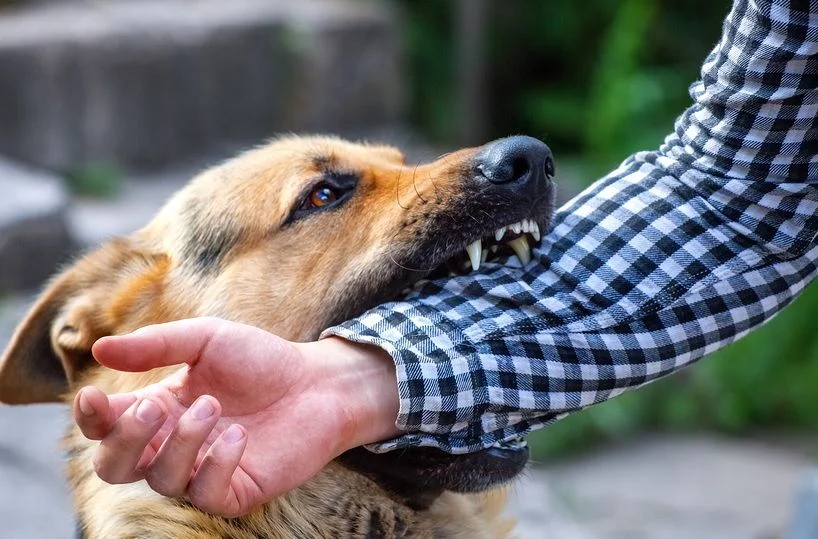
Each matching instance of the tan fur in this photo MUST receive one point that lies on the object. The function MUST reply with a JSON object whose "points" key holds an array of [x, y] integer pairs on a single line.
{"points": [[291, 279]]}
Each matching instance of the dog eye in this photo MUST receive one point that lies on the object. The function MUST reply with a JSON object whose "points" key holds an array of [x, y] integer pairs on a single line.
{"points": [[333, 190], [321, 196]]}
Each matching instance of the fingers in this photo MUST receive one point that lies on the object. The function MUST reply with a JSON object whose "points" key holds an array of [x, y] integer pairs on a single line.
{"points": [[121, 453], [160, 345], [96, 413], [171, 469], [210, 488]]}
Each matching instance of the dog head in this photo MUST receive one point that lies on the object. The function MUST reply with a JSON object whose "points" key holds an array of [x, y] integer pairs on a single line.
{"points": [[293, 237]]}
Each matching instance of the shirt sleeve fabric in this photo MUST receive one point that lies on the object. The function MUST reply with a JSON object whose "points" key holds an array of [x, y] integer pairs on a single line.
{"points": [[675, 254]]}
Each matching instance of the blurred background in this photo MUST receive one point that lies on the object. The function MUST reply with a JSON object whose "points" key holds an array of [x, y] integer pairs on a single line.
{"points": [[108, 106]]}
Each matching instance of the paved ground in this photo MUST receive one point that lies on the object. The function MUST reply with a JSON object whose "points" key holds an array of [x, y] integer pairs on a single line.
{"points": [[683, 487]]}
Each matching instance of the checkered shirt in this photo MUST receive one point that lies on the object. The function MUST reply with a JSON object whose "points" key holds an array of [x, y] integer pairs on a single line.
{"points": [[674, 255]]}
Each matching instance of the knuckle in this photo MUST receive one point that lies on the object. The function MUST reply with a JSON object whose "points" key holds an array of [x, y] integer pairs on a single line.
{"points": [[187, 435], [212, 323], [105, 471], [201, 499], [123, 442], [91, 427], [163, 483]]}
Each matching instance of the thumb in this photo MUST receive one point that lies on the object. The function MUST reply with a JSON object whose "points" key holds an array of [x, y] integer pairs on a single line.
{"points": [[160, 345]]}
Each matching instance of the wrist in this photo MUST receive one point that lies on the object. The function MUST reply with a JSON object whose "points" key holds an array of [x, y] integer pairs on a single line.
{"points": [[360, 383]]}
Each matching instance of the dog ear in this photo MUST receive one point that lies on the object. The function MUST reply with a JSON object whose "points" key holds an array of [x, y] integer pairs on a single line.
{"points": [[30, 369], [52, 345]]}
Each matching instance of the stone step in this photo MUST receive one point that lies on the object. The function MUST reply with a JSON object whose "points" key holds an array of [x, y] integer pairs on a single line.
{"points": [[41, 225], [94, 220], [804, 523], [34, 230], [145, 83]]}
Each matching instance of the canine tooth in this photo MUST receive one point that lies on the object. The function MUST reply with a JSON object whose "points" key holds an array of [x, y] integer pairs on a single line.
{"points": [[535, 231], [484, 255], [521, 249], [516, 228], [500, 233], [474, 250]]}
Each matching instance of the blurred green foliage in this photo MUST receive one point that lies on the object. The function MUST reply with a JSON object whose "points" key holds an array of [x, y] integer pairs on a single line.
{"points": [[601, 79], [94, 180], [597, 81]]}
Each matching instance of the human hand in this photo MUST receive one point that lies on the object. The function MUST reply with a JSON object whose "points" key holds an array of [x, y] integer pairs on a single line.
{"points": [[250, 417]]}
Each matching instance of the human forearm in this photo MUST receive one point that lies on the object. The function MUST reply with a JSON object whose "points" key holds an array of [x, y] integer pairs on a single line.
{"points": [[360, 380], [615, 295]]}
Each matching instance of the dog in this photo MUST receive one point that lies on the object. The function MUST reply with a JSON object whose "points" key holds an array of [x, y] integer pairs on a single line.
{"points": [[293, 236]]}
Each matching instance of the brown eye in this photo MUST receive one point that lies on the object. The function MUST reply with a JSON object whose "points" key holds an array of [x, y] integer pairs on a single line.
{"points": [[326, 194], [322, 195]]}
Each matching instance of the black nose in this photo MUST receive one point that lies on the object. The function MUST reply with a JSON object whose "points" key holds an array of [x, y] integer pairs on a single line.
{"points": [[516, 159]]}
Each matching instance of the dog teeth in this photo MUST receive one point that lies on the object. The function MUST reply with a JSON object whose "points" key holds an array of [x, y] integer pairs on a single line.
{"points": [[521, 249], [475, 252], [526, 226]]}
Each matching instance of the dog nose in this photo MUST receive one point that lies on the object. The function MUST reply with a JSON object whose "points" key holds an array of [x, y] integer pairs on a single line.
{"points": [[516, 159]]}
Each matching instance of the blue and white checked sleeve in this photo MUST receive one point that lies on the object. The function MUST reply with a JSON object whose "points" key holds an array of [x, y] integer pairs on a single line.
{"points": [[673, 255]]}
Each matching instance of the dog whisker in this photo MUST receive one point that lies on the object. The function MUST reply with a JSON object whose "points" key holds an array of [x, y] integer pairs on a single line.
{"points": [[414, 172], [407, 268], [397, 190], [434, 185]]}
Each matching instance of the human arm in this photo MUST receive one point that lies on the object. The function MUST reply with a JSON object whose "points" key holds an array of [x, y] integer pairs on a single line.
{"points": [[672, 256]]}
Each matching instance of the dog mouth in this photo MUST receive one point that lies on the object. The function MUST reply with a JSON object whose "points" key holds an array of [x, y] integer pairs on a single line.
{"points": [[417, 475], [514, 239], [502, 210]]}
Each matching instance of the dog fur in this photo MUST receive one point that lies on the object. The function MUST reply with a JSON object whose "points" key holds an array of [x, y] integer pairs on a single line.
{"points": [[240, 242]]}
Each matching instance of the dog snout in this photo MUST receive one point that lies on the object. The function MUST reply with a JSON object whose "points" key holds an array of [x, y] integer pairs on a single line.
{"points": [[517, 161]]}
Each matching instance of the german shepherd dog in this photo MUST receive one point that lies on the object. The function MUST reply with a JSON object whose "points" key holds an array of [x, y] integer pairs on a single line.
{"points": [[352, 225]]}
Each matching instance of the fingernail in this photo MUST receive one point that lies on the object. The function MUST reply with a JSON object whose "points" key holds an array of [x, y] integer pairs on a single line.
{"points": [[148, 412], [85, 407], [202, 409], [233, 434]]}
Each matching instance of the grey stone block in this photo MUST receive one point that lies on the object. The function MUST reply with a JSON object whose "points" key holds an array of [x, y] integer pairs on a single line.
{"points": [[34, 236], [146, 83], [804, 523], [348, 71]]}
